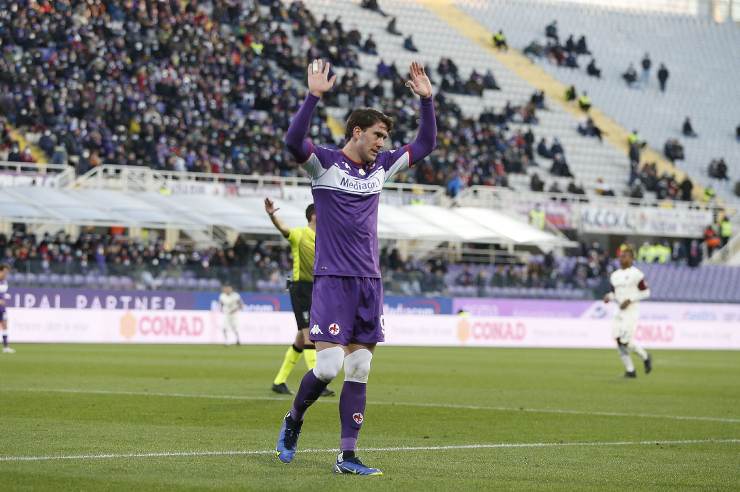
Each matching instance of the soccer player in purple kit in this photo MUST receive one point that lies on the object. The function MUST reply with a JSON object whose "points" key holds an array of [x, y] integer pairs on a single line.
{"points": [[347, 309]]}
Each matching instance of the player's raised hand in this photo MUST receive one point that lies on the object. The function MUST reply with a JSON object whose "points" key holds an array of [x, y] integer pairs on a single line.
{"points": [[318, 77], [418, 81], [270, 207]]}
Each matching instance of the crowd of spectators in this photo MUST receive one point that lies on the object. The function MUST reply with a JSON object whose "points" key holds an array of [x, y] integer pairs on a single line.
{"points": [[146, 261], [562, 53], [265, 265], [211, 86], [171, 85]]}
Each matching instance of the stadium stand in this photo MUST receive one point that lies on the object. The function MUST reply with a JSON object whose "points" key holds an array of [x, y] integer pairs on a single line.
{"points": [[196, 95], [436, 40], [106, 261], [141, 100], [700, 56], [156, 112]]}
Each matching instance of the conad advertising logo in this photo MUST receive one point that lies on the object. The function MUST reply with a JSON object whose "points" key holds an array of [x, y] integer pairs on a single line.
{"points": [[486, 330], [655, 332], [153, 325]]}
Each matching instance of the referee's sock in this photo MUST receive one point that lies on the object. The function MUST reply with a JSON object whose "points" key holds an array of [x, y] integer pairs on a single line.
{"points": [[309, 355], [291, 357]]}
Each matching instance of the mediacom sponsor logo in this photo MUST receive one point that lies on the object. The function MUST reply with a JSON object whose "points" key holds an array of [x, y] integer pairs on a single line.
{"points": [[165, 325], [490, 330]]}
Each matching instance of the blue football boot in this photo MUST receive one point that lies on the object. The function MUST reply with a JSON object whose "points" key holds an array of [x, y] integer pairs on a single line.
{"points": [[287, 442], [354, 466]]}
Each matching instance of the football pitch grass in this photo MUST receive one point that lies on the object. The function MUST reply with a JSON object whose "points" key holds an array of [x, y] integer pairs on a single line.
{"points": [[125, 417]]}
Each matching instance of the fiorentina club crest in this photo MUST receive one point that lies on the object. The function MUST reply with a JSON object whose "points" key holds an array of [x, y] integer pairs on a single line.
{"points": [[334, 329], [358, 417]]}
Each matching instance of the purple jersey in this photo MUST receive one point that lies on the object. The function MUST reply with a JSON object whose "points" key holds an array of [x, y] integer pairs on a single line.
{"points": [[347, 193]]}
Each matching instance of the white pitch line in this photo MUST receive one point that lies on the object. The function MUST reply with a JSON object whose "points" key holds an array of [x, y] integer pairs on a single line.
{"points": [[561, 411], [180, 454]]}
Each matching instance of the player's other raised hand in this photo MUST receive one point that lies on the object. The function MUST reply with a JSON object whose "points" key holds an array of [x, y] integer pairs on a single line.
{"points": [[418, 80], [319, 81]]}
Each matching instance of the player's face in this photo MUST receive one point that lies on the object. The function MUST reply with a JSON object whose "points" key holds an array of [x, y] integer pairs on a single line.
{"points": [[371, 141], [4, 274], [228, 290], [626, 259]]}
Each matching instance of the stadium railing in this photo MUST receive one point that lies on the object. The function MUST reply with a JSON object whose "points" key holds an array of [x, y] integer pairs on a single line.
{"points": [[24, 173]]}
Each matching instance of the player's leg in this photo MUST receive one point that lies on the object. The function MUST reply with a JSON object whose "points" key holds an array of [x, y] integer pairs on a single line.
{"points": [[225, 328], [234, 326], [289, 361], [642, 353], [4, 331], [301, 310], [304, 293], [332, 313], [329, 358], [624, 354], [621, 335], [352, 409], [368, 330], [309, 356], [632, 345]]}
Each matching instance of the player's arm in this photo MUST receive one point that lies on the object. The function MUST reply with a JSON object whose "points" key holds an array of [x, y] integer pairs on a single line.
{"points": [[426, 137], [319, 82], [279, 224], [643, 291]]}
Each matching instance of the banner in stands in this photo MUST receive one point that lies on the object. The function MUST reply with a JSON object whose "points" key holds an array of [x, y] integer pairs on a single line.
{"points": [[88, 299], [558, 214], [122, 326], [28, 297], [644, 221], [156, 300]]}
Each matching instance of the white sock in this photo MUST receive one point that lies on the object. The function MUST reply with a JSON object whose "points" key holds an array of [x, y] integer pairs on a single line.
{"points": [[638, 350], [626, 359]]}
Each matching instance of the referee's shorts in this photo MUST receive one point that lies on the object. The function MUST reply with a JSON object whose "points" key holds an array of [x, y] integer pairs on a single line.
{"points": [[300, 299]]}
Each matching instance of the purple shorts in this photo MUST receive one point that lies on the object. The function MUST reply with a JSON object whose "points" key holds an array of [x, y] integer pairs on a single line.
{"points": [[347, 310], [3, 314]]}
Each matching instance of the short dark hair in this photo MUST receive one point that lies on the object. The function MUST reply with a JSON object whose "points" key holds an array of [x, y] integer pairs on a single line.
{"points": [[4, 266], [310, 210], [365, 118]]}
